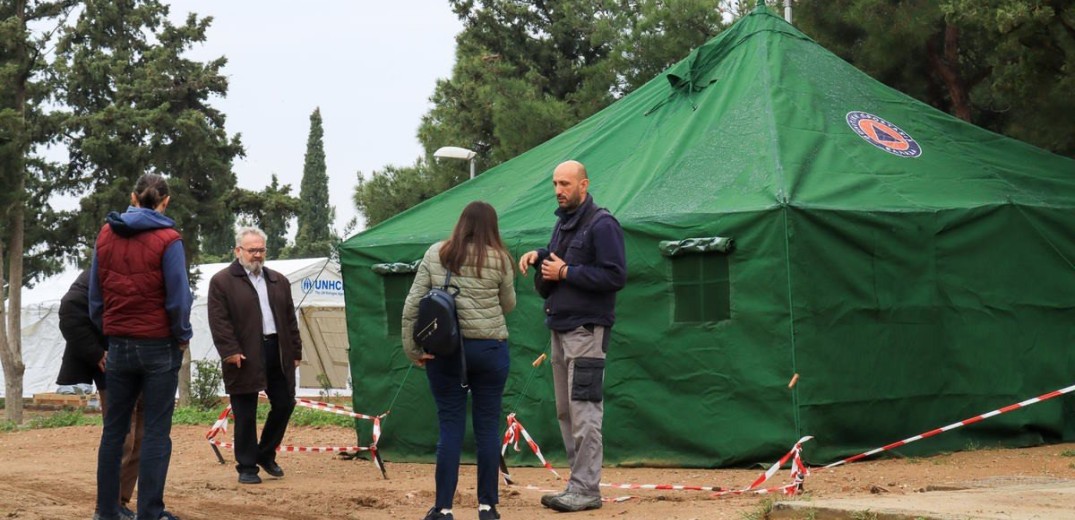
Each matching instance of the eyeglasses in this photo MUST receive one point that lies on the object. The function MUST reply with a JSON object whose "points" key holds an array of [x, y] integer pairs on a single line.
{"points": [[254, 250]]}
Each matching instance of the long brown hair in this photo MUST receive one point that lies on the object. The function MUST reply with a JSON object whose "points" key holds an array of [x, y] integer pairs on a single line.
{"points": [[476, 230]]}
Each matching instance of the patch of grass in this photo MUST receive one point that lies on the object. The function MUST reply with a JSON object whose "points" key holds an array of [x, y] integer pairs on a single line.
{"points": [[762, 512], [1067, 453], [63, 419], [972, 446], [309, 417], [301, 417], [864, 515], [194, 416], [60, 419]]}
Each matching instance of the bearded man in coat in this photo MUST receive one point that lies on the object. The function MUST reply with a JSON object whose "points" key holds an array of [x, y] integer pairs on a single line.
{"points": [[252, 319]]}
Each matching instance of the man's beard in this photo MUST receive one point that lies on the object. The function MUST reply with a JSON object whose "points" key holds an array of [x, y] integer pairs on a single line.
{"points": [[570, 204], [254, 266]]}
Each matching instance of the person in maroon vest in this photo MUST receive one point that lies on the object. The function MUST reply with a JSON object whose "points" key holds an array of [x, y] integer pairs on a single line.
{"points": [[140, 298]]}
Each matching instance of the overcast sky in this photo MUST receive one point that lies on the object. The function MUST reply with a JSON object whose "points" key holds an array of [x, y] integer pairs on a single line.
{"points": [[370, 66]]}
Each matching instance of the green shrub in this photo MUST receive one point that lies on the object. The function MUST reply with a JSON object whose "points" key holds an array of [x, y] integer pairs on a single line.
{"points": [[205, 385]]}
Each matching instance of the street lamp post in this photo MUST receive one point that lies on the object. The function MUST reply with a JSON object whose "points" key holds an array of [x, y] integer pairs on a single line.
{"points": [[455, 152]]}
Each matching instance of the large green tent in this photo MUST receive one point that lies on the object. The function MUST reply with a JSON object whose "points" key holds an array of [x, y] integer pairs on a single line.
{"points": [[911, 268]]}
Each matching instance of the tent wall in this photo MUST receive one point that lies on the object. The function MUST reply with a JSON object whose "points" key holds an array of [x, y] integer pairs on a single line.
{"points": [[315, 283], [729, 376], [910, 321]]}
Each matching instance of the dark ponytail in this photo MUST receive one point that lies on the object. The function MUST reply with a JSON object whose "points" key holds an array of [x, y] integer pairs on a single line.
{"points": [[150, 190]]}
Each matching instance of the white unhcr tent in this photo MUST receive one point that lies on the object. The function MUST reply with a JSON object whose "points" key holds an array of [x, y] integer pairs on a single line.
{"points": [[316, 287]]}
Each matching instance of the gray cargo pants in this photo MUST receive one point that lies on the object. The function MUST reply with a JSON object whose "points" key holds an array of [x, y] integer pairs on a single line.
{"points": [[578, 367]]}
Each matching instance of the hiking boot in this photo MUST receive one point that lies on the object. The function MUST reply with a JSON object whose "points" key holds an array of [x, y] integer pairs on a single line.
{"points": [[546, 499], [572, 502], [435, 514], [168, 516], [249, 478], [126, 514], [272, 468], [488, 514]]}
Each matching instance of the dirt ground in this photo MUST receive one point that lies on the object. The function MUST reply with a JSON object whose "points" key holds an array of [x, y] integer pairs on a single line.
{"points": [[50, 474]]}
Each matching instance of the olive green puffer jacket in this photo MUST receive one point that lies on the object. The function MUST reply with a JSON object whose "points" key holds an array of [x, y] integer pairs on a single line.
{"points": [[481, 304]]}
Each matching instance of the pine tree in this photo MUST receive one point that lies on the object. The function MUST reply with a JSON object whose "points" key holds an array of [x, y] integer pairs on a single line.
{"points": [[270, 210], [137, 105], [314, 237], [29, 246], [526, 71]]}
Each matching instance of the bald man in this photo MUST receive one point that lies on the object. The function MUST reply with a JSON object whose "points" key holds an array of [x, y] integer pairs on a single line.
{"points": [[579, 274]]}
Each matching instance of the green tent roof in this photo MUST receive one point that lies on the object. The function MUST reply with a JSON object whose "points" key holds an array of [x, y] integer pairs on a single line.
{"points": [[756, 117]]}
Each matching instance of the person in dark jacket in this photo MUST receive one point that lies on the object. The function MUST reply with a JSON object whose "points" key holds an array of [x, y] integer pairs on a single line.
{"points": [[84, 362], [252, 318], [580, 272], [84, 354], [140, 298]]}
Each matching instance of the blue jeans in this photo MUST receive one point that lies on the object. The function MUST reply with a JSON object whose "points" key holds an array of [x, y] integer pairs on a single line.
{"points": [[487, 370], [149, 367]]}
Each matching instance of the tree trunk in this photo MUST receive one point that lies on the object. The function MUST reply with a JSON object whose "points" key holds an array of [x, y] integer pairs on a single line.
{"points": [[184, 380], [945, 62], [11, 338], [13, 367], [12, 348]]}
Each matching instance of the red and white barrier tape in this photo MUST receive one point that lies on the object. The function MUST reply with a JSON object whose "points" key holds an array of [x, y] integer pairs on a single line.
{"points": [[972, 420], [662, 487], [799, 470], [511, 436], [336, 409], [305, 449], [221, 425]]}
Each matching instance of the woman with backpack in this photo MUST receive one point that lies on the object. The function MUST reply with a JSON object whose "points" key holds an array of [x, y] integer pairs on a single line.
{"points": [[481, 268]]}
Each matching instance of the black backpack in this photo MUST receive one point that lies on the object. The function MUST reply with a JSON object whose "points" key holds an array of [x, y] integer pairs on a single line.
{"points": [[437, 328]]}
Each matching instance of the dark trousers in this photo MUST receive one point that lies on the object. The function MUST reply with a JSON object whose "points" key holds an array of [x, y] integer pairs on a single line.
{"points": [[132, 447], [248, 450], [149, 368], [487, 371]]}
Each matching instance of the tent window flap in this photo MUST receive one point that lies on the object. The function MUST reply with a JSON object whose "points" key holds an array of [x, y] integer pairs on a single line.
{"points": [[396, 267], [674, 248]]}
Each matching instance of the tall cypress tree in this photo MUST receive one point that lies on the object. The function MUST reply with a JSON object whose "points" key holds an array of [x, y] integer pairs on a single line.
{"points": [[314, 237]]}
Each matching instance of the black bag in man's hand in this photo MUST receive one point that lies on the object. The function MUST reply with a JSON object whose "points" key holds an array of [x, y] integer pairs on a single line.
{"points": [[437, 327]]}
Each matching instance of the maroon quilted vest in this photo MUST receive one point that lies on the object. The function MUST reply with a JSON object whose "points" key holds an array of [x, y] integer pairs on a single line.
{"points": [[132, 283]]}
